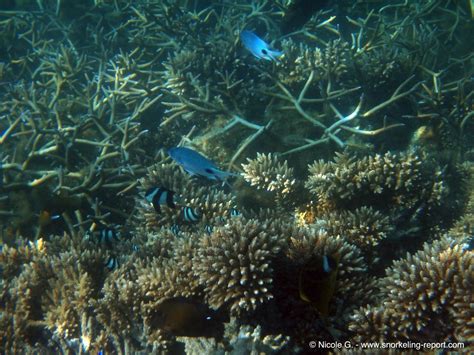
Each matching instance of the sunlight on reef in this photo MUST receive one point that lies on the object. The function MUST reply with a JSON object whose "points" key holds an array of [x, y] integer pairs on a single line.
{"points": [[325, 193]]}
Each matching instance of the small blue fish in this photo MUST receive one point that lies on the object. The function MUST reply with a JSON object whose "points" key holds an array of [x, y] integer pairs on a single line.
{"points": [[258, 47], [197, 164]]}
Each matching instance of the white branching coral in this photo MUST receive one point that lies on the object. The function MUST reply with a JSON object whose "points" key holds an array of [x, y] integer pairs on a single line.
{"points": [[234, 264], [268, 172], [426, 296]]}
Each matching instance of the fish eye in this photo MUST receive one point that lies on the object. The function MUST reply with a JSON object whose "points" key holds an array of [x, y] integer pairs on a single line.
{"points": [[264, 51], [209, 171]]}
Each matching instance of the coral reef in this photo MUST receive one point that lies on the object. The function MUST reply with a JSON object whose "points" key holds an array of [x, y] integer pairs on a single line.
{"points": [[241, 339], [307, 244], [379, 202], [331, 62], [365, 227], [382, 180], [410, 187], [235, 262], [425, 297], [464, 226], [267, 172], [327, 193]]}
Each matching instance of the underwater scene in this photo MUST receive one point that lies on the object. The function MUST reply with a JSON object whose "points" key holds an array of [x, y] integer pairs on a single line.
{"points": [[236, 176]]}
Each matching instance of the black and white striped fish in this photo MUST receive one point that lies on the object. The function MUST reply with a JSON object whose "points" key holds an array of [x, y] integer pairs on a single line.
{"points": [[208, 229], [191, 214], [175, 229], [112, 263], [158, 196], [234, 212], [108, 237]]}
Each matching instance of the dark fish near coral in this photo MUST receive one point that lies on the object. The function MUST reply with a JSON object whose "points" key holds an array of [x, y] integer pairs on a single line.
{"points": [[191, 214], [175, 229], [234, 212], [299, 12], [317, 282], [197, 164], [159, 196], [468, 244], [46, 217], [108, 237], [258, 47], [208, 229], [112, 263], [180, 316]]}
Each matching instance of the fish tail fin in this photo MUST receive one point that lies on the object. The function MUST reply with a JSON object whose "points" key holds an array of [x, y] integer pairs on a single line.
{"points": [[274, 55]]}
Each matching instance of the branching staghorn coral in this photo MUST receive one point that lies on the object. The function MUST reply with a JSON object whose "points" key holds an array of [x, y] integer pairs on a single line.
{"points": [[126, 310], [67, 131], [52, 297], [67, 298], [446, 106], [367, 65], [191, 80], [425, 297], [160, 280], [120, 306], [328, 63]]}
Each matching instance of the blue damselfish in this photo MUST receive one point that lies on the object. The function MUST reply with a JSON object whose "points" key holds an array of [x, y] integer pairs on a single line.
{"points": [[257, 46], [197, 164]]}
